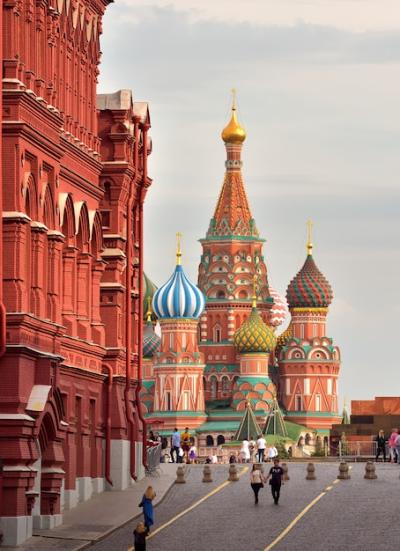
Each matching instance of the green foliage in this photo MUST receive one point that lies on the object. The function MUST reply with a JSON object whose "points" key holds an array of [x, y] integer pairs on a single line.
{"points": [[282, 453], [318, 453]]}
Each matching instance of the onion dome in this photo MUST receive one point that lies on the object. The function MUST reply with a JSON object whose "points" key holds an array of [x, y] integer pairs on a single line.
{"points": [[233, 132], [254, 335], [149, 288], [178, 297], [309, 288], [151, 341], [279, 310], [284, 337]]}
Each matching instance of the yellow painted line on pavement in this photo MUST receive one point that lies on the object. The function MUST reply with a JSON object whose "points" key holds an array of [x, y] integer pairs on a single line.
{"points": [[193, 506], [294, 522], [299, 517]]}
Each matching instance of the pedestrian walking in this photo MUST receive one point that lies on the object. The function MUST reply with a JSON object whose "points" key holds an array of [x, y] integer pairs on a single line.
{"points": [[147, 504], [397, 448], [175, 445], [392, 445], [381, 445], [181, 455], [256, 481], [139, 537], [272, 453], [245, 451], [261, 443], [275, 480]]}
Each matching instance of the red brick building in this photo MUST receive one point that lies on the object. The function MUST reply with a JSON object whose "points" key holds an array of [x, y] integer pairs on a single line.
{"points": [[74, 179]]}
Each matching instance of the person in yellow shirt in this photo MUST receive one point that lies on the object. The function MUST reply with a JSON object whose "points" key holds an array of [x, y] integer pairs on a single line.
{"points": [[186, 443]]}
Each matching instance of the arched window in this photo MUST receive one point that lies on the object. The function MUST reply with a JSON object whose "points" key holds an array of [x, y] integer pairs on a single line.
{"points": [[225, 384], [213, 387], [217, 333], [220, 440], [220, 294], [209, 440], [243, 294]]}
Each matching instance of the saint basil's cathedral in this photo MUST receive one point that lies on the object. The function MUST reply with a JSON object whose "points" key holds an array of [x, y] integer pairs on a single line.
{"points": [[220, 349]]}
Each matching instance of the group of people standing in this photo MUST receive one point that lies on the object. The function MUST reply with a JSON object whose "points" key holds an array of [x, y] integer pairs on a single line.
{"points": [[182, 447], [393, 444], [258, 451]]}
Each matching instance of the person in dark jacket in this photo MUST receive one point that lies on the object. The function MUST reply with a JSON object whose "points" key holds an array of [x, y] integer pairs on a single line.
{"points": [[147, 504], [275, 478], [381, 446], [139, 537]]}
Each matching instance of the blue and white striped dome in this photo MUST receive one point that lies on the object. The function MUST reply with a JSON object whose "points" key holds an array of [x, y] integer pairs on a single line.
{"points": [[178, 298]]}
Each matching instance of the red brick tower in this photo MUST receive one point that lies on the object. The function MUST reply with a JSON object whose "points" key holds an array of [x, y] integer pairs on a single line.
{"points": [[309, 363], [232, 256]]}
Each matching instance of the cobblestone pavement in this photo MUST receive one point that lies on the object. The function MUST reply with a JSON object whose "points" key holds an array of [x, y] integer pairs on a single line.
{"points": [[354, 514]]}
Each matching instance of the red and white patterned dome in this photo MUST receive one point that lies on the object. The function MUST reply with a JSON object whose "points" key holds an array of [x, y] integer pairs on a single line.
{"points": [[279, 310]]}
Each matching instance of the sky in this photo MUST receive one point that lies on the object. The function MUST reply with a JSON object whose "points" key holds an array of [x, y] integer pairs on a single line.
{"points": [[318, 85]]}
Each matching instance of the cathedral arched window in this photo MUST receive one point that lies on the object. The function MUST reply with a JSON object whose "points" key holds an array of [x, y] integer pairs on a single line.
{"points": [[213, 387], [220, 294], [220, 440], [209, 440], [225, 384], [217, 333]]}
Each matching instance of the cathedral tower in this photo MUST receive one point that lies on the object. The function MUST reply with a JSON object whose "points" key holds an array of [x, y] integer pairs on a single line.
{"points": [[232, 256], [179, 366], [309, 363]]}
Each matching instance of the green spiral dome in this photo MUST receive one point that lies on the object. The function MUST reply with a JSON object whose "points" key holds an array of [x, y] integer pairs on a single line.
{"points": [[254, 335]]}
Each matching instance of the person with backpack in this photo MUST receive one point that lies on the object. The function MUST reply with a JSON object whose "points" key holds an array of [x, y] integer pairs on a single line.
{"points": [[275, 478]]}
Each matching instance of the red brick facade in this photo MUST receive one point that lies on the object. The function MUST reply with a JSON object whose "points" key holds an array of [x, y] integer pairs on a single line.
{"points": [[74, 171]]}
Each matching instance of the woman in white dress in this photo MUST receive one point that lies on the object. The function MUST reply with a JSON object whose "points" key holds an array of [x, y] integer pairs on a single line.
{"points": [[245, 451]]}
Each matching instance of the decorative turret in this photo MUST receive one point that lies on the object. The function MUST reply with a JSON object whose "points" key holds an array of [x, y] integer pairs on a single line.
{"points": [[254, 341], [254, 336], [233, 132], [149, 288], [279, 310], [309, 363], [151, 341], [178, 297], [179, 366], [309, 288], [232, 216]]}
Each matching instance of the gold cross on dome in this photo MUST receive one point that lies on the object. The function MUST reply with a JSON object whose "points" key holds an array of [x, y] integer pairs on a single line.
{"points": [[309, 236], [233, 99], [178, 248]]}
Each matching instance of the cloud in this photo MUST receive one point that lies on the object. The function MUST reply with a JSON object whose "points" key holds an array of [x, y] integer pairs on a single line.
{"points": [[320, 106], [355, 15]]}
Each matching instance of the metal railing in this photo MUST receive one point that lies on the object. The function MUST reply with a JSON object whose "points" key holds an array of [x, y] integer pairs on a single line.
{"points": [[358, 449], [153, 458]]}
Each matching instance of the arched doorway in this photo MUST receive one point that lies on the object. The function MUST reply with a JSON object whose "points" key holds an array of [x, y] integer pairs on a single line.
{"points": [[47, 509]]}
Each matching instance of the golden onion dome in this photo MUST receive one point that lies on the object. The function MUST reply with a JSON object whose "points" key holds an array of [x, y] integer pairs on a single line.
{"points": [[233, 132], [254, 335]]}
